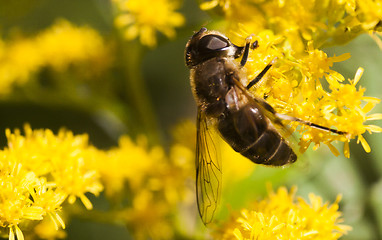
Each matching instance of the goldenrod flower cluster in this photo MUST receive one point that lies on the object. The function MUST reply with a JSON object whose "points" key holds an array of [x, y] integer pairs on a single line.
{"points": [[143, 18], [40, 171], [150, 189], [301, 83], [58, 46], [283, 216], [155, 182]]}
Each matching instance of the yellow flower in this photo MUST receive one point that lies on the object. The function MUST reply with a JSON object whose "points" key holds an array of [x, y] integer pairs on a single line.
{"points": [[57, 47], [283, 216], [224, 4], [290, 34], [149, 217], [28, 162], [63, 156], [15, 204], [63, 44], [327, 23], [131, 162], [154, 181], [46, 229], [142, 18]]}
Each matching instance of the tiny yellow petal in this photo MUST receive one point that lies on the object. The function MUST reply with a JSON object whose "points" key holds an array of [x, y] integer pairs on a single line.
{"points": [[87, 203], [338, 198], [376, 39], [375, 116], [341, 57], [347, 150], [34, 213], [333, 149], [209, 5], [365, 145], [278, 227], [60, 220], [368, 107], [19, 234], [11, 234], [344, 228], [310, 233], [373, 128], [72, 199], [237, 234], [57, 220], [371, 99], [358, 75]]}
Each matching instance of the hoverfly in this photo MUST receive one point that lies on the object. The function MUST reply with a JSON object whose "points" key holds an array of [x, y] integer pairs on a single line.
{"points": [[247, 123]]}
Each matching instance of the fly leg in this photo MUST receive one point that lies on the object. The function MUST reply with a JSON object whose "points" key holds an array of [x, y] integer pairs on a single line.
{"points": [[264, 103], [260, 75], [244, 59], [294, 119], [247, 46]]}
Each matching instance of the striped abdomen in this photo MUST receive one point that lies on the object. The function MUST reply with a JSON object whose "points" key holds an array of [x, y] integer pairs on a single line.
{"points": [[249, 132]]}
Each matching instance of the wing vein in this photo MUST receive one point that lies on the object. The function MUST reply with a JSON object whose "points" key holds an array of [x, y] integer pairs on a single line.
{"points": [[208, 170]]}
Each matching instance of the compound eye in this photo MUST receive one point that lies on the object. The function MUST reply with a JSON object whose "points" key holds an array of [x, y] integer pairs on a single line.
{"points": [[213, 42]]}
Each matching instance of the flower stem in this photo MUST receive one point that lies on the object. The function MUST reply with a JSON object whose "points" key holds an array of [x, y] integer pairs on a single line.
{"points": [[136, 91]]}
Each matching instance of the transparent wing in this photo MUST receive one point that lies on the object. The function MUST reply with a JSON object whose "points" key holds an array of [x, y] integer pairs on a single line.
{"points": [[285, 131], [208, 170]]}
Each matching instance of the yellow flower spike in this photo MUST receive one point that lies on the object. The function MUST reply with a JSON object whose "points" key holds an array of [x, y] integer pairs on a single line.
{"points": [[156, 190], [143, 18], [58, 46], [275, 218], [25, 166]]}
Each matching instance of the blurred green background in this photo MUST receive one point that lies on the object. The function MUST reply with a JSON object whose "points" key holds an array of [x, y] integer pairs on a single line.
{"points": [[105, 116]]}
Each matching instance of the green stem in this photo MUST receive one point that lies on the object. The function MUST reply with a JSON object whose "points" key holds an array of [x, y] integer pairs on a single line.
{"points": [[109, 217], [136, 91]]}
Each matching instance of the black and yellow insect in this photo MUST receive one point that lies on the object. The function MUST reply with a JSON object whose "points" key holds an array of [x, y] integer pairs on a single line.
{"points": [[225, 105]]}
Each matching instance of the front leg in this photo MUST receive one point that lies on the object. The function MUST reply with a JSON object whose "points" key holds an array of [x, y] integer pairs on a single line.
{"points": [[246, 49]]}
